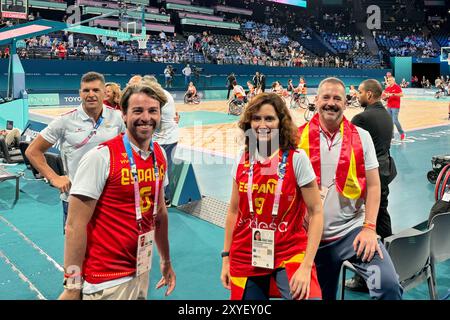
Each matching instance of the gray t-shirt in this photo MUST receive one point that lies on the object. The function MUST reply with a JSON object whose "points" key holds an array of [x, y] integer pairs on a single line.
{"points": [[342, 215]]}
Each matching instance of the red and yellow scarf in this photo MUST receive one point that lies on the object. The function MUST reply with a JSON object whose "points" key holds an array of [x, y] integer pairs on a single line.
{"points": [[350, 172]]}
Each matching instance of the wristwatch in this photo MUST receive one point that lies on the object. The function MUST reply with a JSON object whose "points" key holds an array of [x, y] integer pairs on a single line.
{"points": [[225, 254]]}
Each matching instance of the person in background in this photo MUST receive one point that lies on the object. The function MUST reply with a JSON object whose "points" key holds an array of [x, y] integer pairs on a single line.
{"points": [[112, 95], [76, 132]]}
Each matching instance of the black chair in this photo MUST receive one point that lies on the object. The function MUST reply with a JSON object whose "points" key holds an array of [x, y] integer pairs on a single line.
{"points": [[53, 160], [9, 155]]}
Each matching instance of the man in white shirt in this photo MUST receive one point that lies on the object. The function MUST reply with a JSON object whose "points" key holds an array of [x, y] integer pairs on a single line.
{"points": [[350, 201], [167, 134], [187, 71], [76, 132]]}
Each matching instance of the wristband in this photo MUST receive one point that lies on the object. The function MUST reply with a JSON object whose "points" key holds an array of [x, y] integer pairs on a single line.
{"points": [[371, 226], [225, 254]]}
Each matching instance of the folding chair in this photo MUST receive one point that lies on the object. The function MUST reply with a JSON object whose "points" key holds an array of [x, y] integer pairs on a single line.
{"points": [[409, 251], [439, 243]]}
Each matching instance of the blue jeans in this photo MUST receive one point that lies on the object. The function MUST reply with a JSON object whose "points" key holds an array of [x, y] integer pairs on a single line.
{"points": [[187, 79], [394, 114], [170, 152], [330, 257]]}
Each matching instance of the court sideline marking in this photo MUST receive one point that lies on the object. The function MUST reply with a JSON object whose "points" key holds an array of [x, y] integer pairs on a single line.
{"points": [[35, 246], [22, 276]]}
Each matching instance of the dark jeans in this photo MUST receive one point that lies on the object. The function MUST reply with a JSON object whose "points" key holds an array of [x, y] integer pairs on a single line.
{"points": [[170, 150], [257, 288], [379, 273]]}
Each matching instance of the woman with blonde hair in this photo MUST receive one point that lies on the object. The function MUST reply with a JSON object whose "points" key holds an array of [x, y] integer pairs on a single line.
{"points": [[112, 95]]}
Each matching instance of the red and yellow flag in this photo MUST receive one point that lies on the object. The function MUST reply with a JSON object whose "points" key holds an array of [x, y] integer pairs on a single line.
{"points": [[350, 171]]}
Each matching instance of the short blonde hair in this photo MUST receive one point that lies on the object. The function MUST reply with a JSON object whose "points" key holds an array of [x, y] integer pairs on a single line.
{"points": [[115, 88]]}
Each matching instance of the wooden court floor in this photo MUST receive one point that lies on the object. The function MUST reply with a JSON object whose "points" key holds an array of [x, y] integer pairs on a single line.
{"points": [[226, 138]]}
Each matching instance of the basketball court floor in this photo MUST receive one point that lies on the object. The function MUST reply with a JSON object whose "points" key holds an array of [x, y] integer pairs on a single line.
{"points": [[31, 254]]}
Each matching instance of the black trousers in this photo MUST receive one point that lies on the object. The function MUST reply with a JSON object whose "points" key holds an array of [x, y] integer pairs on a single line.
{"points": [[384, 228]]}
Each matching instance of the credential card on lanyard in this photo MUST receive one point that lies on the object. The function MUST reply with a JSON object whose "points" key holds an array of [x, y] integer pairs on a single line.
{"points": [[144, 253], [263, 245], [91, 134]]}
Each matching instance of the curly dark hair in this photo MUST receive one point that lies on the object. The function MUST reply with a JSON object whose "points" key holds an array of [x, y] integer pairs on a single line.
{"points": [[288, 130]]}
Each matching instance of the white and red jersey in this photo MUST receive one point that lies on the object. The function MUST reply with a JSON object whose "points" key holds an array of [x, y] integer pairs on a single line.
{"points": [[112, 233], [290, 235]]}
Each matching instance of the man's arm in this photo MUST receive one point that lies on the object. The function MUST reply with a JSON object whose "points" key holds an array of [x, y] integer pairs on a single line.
{"points": [[367, 240], [162, 242], [35, 153], [81, 209]]}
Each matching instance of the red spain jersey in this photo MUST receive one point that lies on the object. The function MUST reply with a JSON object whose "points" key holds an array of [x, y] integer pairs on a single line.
{"points": [[393, 102], [112, 233], [290, 235]]}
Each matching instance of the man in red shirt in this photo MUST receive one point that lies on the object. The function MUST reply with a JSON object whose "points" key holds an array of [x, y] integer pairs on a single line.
{"points": [[117, 209], [392, 94]]}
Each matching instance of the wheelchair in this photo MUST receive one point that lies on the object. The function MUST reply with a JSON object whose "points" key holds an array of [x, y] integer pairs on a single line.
{"points": [[439, 94], [188, 99], [310, 112], [353, 102], [299, 101], [236, 106], [438, 163]]}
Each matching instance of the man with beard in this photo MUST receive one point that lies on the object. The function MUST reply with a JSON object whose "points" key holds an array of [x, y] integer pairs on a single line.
{"points": [[76, 132], [344, 160], [117, 209], [377, 121]]}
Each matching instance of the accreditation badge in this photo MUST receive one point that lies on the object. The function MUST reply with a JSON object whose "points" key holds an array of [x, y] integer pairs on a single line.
{"points": [[263, 245], [144, 253]]}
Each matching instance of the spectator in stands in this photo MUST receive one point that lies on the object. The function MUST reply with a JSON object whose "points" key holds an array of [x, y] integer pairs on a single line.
{"points": [[97, 124], [350, 202], [191, 41], [112, 95], [187, 71]]}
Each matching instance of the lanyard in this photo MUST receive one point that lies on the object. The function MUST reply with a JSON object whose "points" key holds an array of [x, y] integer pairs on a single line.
{"points": [[137, 197], [281, 174], [94, 131]]}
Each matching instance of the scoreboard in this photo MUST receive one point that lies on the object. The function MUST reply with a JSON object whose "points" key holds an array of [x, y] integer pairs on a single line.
{"points": [[299, 3], [15, 9]]}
